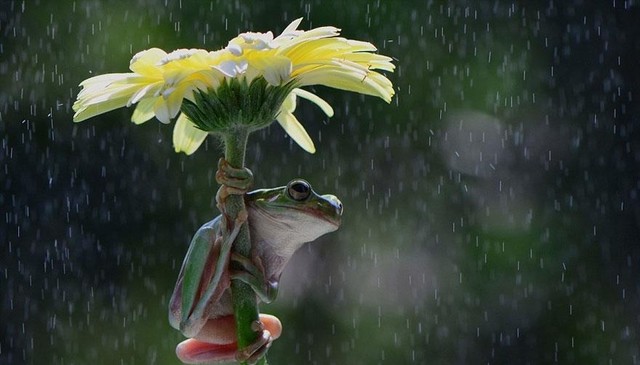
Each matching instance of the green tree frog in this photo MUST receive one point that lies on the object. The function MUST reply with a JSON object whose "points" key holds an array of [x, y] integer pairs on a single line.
{"points": [[280, 221]]}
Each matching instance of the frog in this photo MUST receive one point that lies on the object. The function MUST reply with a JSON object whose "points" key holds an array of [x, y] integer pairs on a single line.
{"points": [[280, 221]]}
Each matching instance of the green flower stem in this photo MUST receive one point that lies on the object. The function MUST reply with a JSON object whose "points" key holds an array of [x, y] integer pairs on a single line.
{"points": [[245, 306]]}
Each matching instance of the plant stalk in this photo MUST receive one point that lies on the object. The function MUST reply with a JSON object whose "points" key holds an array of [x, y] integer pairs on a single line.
{"points": [[245, 306]]}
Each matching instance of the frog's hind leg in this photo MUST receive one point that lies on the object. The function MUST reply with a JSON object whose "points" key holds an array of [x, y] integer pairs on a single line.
{"points": [[216, 342]]}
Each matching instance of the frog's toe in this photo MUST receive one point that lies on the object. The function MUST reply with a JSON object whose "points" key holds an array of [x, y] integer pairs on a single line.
{"points": [[252, 353], [255, 351], [238, 178]]}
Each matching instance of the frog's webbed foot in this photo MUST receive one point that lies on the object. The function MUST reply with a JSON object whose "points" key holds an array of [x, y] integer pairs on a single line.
{"points": [[249, 273], [216, 342], [233, 181], [256, 350]]}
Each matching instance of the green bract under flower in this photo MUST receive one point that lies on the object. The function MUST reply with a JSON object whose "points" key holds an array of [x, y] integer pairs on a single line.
{"points": [[254, 80], [236, 102]]}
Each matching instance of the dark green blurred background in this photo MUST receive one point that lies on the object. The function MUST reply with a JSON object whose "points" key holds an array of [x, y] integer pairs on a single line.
{"points": [[491, 211]]}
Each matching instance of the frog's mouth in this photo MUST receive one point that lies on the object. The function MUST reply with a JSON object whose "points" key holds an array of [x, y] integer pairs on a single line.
{"points": [[335, 218], [330, 213], [328, 209]]}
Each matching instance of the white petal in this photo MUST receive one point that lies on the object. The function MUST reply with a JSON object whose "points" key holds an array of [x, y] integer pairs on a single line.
{"points": [[84, 111], [350, 79], [147, 60], [143, 92], [186, 137], [144, 111], [289, 103], [259, 41], [276, 70], [296, 131], [326, 108], [166, 108], [232, 68], [161, 110], [235, 49], [292, 27]]}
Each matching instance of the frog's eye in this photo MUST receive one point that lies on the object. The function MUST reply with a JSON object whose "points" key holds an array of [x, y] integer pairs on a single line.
{"points": [[299, 190]]}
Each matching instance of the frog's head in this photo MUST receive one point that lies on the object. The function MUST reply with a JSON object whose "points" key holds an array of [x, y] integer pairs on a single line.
{"points": [[291, 215]]}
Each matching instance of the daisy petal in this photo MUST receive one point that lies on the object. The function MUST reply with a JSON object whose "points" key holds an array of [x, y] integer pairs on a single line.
{"points": [[296, 131], [84, 112], [161, 110], [145, 62], [144, 111], [186, 137], [326, 108], [291, 28], [276, 70]]}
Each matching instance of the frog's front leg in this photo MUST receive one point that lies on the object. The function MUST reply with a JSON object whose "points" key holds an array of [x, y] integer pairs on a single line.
{"points": [[216, 342], [233, 181], [253, 275]]}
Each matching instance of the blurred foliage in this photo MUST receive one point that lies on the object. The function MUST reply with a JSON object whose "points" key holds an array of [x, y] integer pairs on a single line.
{"points": [[491, 212]]}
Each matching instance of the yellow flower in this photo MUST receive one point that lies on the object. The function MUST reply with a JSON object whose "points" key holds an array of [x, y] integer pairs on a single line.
{"points": [[255, 79]]}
